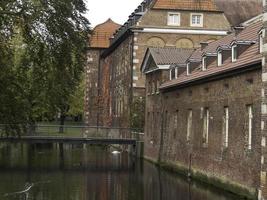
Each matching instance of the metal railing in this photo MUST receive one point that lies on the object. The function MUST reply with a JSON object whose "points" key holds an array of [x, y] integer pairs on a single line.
{"points": [[77, 131]]}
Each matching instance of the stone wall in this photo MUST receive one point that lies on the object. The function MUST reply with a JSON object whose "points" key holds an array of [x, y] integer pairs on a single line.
{"points": [[91, 92], [167, 128], [119, 86], [263, 188], [158, 18]]}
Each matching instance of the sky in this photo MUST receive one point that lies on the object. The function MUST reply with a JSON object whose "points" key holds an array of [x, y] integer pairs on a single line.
{"points": [[117, 10]]}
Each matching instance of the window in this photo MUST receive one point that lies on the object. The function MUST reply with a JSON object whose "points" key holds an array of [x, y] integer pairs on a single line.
{"points": [[204, 63], [188, 69], [175, 124], [220, 59], [189, 125], [226, 127], [206, 127], [174, 19], [197, 19], [261, 42], [172, 74], [153, 87], [157, 86], [234, 53], [250, 118]]}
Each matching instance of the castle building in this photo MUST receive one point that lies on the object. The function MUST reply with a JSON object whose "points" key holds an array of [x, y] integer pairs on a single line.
{"points": [[99, 41], [119, 87], [203, 110]]}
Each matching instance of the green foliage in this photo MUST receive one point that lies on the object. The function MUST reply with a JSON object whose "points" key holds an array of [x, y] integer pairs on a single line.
{"points": [[138, 114], [42, 45], [76, 101]]}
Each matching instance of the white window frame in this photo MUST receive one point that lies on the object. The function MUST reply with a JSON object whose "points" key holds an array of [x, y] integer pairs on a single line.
{"points": [[219, 58], [250, 121], [204, 63], [206, 126], [189, 125], [226, 127], [170, 20], [188, 69], [234, 48], [261, 42], [201, 20]]}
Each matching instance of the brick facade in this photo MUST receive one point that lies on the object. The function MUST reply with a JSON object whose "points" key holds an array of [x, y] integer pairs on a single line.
{"points": [[263, 188], [208, 120], [130, 43]]}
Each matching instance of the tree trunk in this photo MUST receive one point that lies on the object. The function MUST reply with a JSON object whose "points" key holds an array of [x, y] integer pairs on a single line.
{"points": [[62, 122]]}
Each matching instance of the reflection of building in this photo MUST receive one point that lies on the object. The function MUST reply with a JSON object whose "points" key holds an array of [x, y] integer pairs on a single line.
{"points": [[203, 108], [118, 83]]}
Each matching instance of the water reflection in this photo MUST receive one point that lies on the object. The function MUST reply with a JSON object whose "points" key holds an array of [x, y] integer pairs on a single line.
{"points": [[69, 172]]}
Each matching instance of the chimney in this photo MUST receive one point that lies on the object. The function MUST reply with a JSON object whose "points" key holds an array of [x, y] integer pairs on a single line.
{"points": [[203, 45], [238, 29]]}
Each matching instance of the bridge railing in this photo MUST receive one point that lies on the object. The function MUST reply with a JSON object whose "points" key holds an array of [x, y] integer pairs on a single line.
{"points": [[76, 131]]}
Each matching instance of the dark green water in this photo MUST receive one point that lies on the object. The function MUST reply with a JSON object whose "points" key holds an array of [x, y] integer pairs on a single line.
{"points": [[90, 173]]}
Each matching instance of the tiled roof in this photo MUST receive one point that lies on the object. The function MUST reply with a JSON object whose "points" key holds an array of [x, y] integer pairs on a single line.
{"points": [[250, 56], [100, 37], [196, 5], [168, 56], [238, 11]]}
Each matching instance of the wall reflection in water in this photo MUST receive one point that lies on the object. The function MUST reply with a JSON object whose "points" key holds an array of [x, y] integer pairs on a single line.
{"points": [[71, 172]]}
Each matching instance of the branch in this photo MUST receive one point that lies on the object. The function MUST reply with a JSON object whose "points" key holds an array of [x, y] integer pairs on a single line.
{"points": [[4, 12]]}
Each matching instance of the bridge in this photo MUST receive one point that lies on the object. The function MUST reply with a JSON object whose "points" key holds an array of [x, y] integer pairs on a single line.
{"points": [[78, 135]]}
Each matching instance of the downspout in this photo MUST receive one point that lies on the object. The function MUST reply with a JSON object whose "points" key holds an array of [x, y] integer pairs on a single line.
{"points": [[98, 89], [131, 78]]}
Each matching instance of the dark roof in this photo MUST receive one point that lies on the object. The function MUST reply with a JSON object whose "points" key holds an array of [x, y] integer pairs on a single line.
{"points": [[238, 11], [168, 56], [249, 57]]}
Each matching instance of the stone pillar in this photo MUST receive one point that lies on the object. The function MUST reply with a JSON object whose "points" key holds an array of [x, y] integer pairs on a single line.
{"points": [[263, 186]]}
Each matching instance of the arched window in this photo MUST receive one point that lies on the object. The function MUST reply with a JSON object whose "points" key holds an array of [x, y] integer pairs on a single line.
{"points": [[184, 43], [155, 42]]}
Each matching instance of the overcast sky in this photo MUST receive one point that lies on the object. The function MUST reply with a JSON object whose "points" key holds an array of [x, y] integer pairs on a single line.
{"points": [[117, 10]]}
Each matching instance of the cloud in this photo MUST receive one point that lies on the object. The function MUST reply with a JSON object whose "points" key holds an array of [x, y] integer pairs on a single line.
{"points": [[117, 10]]}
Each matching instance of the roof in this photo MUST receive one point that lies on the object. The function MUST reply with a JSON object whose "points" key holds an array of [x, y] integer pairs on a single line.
{"points": [[164, 58], [168, 56], [238, 11], [248, 58], [196, 5], [247, 9], [248, 34], [100, 37]]}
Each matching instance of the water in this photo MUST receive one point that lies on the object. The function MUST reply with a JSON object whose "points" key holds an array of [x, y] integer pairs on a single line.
{"points": [[53, 172]]}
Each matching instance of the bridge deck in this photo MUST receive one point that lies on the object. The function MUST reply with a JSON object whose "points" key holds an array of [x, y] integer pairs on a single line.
{"points": [[72, 140]]}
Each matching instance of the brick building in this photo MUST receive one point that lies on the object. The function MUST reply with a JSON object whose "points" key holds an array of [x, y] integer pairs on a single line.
{"points": [[99, 41], [155, 23], [203, 109]]}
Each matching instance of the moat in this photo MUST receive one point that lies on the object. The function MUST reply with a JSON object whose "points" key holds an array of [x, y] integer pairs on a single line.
{"points": [[87, 172]]}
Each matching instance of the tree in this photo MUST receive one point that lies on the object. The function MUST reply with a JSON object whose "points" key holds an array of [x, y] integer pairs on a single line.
{"points": [[42, 45]]}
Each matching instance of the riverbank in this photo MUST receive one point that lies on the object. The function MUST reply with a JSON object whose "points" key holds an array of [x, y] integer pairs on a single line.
{"points": [[198, 175]]}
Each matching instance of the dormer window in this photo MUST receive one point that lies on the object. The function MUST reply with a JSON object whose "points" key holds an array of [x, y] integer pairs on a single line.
{"points": [[197, 19], [261, 41], [188, 69], [234, 53], [174, 19], [204, 63], [172, 73], [220, 59]]}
